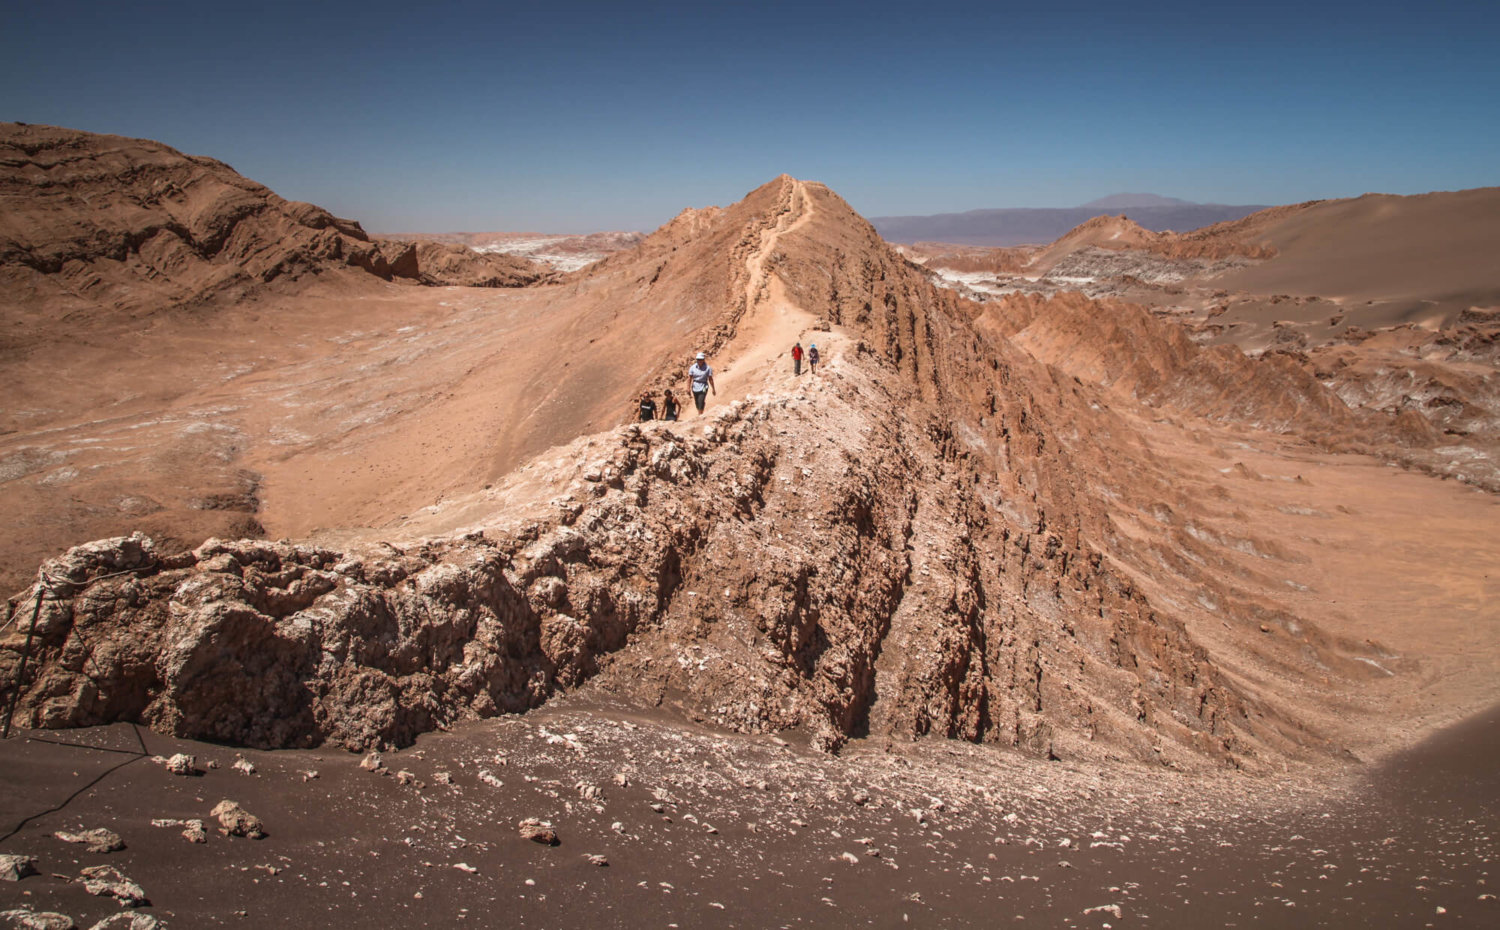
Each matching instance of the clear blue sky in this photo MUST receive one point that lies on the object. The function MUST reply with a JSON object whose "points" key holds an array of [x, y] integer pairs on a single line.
{"points": [[573, 117]]}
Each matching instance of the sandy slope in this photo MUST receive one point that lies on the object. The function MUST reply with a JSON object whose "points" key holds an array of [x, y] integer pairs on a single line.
{"points": [[1412, 256]]}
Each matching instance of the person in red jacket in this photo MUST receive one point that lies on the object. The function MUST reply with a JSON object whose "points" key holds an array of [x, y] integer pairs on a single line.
{"points": [[797, 358]]}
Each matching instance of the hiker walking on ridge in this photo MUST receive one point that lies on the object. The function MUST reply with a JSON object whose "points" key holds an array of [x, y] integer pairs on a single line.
{"points": [[797, 358], [700, 380], [812, 358], [668, 405], [648, 407]]}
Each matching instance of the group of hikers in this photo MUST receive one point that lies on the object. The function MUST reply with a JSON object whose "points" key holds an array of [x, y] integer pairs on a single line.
{"points": [[701, 381]]}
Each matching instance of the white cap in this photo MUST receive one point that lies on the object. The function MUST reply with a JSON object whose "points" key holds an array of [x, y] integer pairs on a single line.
{"points": [[701, 356]]}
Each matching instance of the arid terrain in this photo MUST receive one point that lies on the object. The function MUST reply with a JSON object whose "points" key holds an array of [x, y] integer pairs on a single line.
{"points": [[560, 252], [1109, 583]]}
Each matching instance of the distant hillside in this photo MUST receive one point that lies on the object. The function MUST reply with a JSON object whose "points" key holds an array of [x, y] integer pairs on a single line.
{"points": [[1025, 226], [102, 224], [1130, 201]]}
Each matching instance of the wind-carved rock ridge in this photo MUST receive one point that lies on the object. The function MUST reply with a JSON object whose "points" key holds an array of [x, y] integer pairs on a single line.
{"points": [[917, 541], [748, 580]]}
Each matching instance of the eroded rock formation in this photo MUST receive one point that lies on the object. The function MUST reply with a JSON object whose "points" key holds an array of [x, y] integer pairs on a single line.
{"points": [[929, 537], [93, 222]]}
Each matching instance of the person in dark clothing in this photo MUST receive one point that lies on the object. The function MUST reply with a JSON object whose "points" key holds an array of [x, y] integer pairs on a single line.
{"points": [[668, 405], [648, 407], [812, 358], [797, 358]]}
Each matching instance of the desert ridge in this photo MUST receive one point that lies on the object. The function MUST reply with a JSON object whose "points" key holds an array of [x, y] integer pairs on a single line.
{"points": [[967, 523]]}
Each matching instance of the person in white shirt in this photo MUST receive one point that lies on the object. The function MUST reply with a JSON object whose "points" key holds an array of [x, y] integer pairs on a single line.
{"points": [[701, 380]]}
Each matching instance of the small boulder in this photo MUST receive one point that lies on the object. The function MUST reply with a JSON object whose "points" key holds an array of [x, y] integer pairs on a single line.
{"points": [[24, 918], [127, 920], [538, 831], [179, 764], [192, 830], [98, 840], [14, 868], [108, 881], [236, 821]]}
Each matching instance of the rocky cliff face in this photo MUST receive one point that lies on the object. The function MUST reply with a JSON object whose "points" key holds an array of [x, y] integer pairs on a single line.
{"points": [[97, 223]]}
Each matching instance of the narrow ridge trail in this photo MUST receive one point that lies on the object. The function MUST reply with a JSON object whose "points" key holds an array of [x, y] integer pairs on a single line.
{"points": [[772, 320]]}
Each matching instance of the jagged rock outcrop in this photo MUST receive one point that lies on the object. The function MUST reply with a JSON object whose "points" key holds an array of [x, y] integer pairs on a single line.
{"points": [[93, 222], [853, 587]]}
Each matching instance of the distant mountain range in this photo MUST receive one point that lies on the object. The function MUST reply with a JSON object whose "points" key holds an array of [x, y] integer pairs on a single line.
{"points": [[1040, 225]]}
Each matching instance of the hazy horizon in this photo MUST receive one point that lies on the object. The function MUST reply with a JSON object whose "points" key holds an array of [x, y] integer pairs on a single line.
{"points": [[587, 117]]}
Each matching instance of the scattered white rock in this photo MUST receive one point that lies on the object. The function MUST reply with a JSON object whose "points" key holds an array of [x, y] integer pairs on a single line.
{"points": [[127, 920], [192, 830], [243, 766], [24, 918], [179, 764], [98, 840], [108, 881]]}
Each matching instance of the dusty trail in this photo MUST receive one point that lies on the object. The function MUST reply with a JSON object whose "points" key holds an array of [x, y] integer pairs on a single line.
{"points": [[760, 355]]}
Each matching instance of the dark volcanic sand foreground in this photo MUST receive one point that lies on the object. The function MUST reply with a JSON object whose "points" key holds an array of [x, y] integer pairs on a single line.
{"points": [[754, 833]]}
